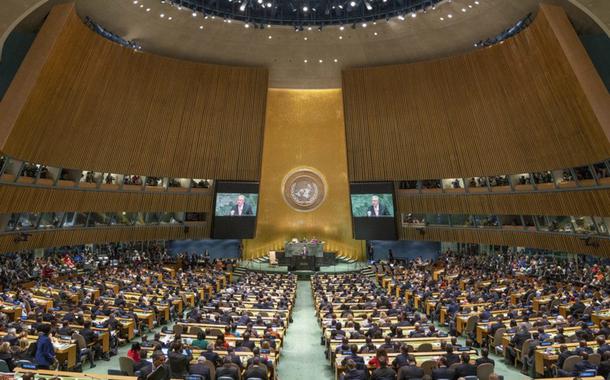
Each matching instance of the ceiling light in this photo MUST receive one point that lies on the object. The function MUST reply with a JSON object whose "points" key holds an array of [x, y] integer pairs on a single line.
{"points": [[242, 6], [442, 19], [401, 18], [305, 8], [246, 25], [469, 5], [340, 37], [162, 15], [364, 24], [147, 9], [336, 60], [305, 38], [305, 60], [309, 28], [352, 3], [413, 14], [135, 1], [476, 3], [200, 26], [450, 15], [341, 27], [375, 33], [269, 25], [169, 18], [320, 61], [463, 9], [270, 37], [368, 6], [141, 5], [194, 14]]}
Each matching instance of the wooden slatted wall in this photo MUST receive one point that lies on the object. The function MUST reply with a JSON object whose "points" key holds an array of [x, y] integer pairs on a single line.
{"points": [[99, 106], [511, 108]]}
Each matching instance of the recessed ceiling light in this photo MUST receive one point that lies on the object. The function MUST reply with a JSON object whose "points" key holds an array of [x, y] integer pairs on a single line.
{"points": [[442, 19], [305, 60], [305, 38], [463, 9], [162, 15], [336, 60], [246, 25], [309, 28], [320, 61], [200, 26], [450, 15], [364, 24], [169, 18], [135, 1], [401, 18], [194, 14], [476, 3], [413, 14], [341, 27], [268, 25], [147, 9], [375, 33], [141, 5], [305, 8], [469, 5], [270, 37], [353, 3], [340, 37]]}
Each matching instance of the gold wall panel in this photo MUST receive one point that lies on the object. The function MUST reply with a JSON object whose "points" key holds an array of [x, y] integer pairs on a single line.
{"points": [[304, 128]]}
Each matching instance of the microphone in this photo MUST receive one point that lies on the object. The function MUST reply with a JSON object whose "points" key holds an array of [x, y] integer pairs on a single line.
{"points": [[368, 213], [232, 212]]}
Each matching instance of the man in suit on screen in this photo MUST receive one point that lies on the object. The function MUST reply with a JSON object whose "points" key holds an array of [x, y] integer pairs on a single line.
{"points": [[241, 207], [376, 208]]}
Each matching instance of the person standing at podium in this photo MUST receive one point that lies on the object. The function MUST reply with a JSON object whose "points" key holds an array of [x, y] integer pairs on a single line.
{"points": [[377, 209], [241, 207]]}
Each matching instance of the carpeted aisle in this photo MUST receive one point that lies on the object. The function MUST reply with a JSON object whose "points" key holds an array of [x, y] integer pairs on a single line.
{"points": [[303, 356]]}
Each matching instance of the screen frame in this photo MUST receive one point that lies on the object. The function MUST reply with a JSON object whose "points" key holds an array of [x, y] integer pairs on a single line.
{"points": [[249, 222], [369, 187]]}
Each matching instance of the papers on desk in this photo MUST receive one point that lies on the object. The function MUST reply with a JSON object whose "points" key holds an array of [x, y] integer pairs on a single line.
{"points": [[61, 346]]}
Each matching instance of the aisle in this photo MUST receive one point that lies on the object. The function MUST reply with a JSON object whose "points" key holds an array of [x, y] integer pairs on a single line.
{"points": [[303, 356]]}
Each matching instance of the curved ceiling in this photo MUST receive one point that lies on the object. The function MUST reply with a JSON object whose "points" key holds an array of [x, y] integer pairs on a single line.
{"points": [[312, 58]]}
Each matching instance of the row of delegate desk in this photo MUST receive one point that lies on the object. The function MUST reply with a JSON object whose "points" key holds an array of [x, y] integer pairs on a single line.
{"points": [[467, 321], [436, 343], [51, 296]]}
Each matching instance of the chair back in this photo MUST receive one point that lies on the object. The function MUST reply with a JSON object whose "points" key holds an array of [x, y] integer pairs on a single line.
{"points": [[211, 367], [194, 330], [498, 337], [215, 332], [425, 347], [524, 348], [471, 378], [484, 370], [471, 323], [80, 340], [225, 378], [126, 365], [428, 366], [234, 365], [4, 367], [595, 358], [454, 366], [178, 329], [568, 364]]}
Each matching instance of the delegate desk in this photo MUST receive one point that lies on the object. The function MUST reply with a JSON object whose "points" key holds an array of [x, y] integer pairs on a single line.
{"points": [[544, 357], [420, 357]]}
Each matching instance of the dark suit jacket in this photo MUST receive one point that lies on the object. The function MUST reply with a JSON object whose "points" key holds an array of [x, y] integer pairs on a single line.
{"points": [[256, 372], [200, 369], [178, 363], [452, 359], [386, 373], [408, 371], [229, 372], [161, 373], [382, 210], [583, 365], [355, 374], [604, 369], [464, 370], [442, 373], [246, 210]]}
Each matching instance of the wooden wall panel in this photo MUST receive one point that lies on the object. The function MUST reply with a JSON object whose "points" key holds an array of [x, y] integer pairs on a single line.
{"points": [[555, 242], [31, 199], [511, 108], [99, 106], [59, 238], [576, 203]]}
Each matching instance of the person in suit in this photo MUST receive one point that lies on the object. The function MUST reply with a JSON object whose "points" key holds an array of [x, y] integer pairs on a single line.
{"points": [[227, 370], [45, 353], [256, 370], [211, 355], [376, 208], [484, 357], [200, 369], [383, 372], [604, 366], [450, 356], [517, 343], [466, 368], [564, 353], [158, 370], [351, 372], [443, 371], [241, 207], [178, 362], [602, 346], [411, 371]]}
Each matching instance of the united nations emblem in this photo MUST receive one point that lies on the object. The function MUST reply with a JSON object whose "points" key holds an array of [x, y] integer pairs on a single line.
{"points": [[304, 189]]}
